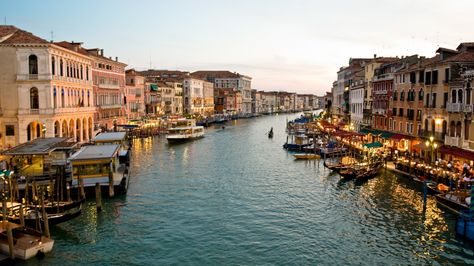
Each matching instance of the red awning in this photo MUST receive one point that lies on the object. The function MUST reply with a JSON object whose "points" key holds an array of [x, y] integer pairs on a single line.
{"points": [[343, 133], [457, 152], [400, 137]]}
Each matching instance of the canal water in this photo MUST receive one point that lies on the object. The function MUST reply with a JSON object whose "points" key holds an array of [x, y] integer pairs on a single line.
{"points": [[236, 197]]}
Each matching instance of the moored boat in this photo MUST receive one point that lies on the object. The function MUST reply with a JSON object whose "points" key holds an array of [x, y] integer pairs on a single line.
{"points": [[307, 156], [455, 201], [27, 243]]}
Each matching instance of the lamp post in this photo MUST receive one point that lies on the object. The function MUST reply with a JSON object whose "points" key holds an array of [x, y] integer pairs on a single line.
{"points": [[433, 146]]}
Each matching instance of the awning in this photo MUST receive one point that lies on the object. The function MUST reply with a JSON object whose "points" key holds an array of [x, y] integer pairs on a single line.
{"points": [[421, 146], [457, 152], [376, 132], [373, 145], [153, 87], [397, 136]]}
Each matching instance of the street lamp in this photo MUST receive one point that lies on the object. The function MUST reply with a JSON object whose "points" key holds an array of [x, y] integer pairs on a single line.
{"points": [[433, 146]]}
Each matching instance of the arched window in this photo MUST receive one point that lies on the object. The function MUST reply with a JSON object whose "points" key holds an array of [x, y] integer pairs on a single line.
{"points": [[402, 96], [34, 99], [62, 98], [33, 64], [55, 98], [460, 96], [67, 69], [61, 73], [395, 95], [468, 96], [420, 95], [87, 72], [453, 96], [82, 75], [88, 99], [53, 66]]}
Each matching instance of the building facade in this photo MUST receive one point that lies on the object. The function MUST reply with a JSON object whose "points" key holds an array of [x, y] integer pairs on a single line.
{"points": [[56, 82]]}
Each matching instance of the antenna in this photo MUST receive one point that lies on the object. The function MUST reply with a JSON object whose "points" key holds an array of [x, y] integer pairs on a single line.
{"points": [[5, 20], [52, 36]]}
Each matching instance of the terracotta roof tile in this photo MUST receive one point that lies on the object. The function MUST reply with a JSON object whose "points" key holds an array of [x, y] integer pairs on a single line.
{"points": [[206, 74], [19, 36], [76, 47]]}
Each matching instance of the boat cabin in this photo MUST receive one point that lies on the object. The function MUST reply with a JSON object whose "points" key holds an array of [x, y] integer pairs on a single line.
{"points": [[95, 164], [120, 138], [42, 157]]}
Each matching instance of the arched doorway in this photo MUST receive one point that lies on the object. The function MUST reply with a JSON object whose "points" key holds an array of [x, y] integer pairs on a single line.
{"points": [[71, 128], [458, 128], [452, 129], [445, 125], [90, 128], [78, 130], [84, 130], [34, 130], [57, 132], [466, 129], [64, 129]]}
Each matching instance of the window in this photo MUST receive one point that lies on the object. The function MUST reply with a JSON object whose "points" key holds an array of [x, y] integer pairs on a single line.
{"points": [[428, 78], [9, 130], [445, 100], [394, 111], [400, 112], [420, 95], [421, 78], [446, 75], [61, 67], [53, 66], [402, 96], [468, 96], [33, 65], [434, 79], [433, 105], [453, 96], [82, 74], [460, 96], [418, 115], [87, 72], [412, 77], [395, 95], [34, 101], [427, 104]]}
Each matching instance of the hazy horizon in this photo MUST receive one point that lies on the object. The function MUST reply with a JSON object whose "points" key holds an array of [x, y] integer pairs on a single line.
{"points": [[294, 47]]}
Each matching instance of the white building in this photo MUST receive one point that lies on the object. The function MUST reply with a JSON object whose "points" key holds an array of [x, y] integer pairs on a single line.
{"points": [[45, 90]]}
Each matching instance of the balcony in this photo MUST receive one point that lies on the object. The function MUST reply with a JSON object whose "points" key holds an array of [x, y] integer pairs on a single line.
{"points": [[467, 108], [427, 134], [452, 141], [66, 110], [25, 77], [108, 86], [379, 111], [453, 107]]}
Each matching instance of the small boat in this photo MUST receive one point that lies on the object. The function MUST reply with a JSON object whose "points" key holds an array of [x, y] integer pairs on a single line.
{"points": [[27, 243], [185, 133], [455, 201], [307, 156]]}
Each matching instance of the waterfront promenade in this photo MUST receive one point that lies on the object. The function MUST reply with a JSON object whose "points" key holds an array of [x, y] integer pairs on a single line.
{"points": [[236, 197]]}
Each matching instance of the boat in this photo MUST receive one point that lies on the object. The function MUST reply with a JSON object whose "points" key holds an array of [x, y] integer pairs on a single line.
{"points": [[306, 156], [270, 133], [361, 171], [184, 131], [297, 143], [27, 243], [455, 201]]}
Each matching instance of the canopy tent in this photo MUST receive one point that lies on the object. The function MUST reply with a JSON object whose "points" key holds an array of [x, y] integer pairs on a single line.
{"points": [[373, 145]]}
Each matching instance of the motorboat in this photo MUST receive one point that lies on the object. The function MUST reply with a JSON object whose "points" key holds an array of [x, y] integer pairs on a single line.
{"points": [[184, 133]]}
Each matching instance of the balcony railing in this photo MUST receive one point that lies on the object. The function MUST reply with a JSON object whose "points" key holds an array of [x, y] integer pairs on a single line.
{"points": [[467, 108], [453, 107], [427, 134], [452, 141], [33, 77]]}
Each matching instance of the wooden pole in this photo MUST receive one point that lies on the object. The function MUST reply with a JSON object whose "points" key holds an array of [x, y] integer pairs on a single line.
{"points": [[98, 197], [4, 208], [45, 217], [81, 189], [22, 215], [68, 192], [17, 187], [10, 241], [111, 184], [26, 192]]}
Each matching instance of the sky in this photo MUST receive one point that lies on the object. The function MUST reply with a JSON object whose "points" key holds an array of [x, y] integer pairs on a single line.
{"points": [[292, 45]]}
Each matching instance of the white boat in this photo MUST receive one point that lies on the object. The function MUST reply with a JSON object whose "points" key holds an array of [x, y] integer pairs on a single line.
{"points": [[26, 243], [184, 130], [307, 156], [180, 134]]}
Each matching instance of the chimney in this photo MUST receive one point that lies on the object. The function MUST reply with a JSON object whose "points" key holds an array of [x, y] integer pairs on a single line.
{"points": [[375, 56], [102, 52], [116, 58]]}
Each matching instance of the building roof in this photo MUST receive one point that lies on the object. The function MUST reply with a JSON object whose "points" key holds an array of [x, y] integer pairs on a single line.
{"points": [[213, 74], [13, 35], [40, 146], [73, 46], [95, 152], [109, 136]]}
